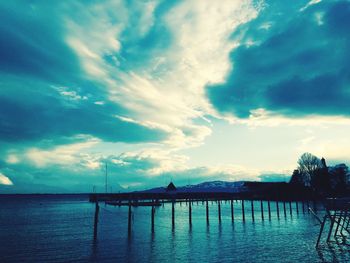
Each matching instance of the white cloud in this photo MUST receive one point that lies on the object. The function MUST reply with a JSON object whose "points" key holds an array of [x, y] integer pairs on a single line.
{"points": [[262, 117], [169, 90], [68, 155], [12, 159], [5, 180], [312, 2]]}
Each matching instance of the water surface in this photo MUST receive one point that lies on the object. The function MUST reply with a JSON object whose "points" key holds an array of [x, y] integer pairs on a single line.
{"points": [[59, 228]]}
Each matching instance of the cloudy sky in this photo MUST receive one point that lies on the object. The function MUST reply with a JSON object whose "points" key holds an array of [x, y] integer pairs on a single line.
{"points": [[187, 91]]}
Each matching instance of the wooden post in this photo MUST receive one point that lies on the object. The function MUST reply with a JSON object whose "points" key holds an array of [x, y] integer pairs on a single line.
{"points": [[290, 207], [332, 218], [303, 206], [243, 215], [173, 214], [97, 210], [307, 204], [345, 216], [278, 210], [207, 212], [262, 209], [321, 230], [268, 205], [232, 213], [190, 214], [129, 219], [284, 209], [252, 204], [219, 210], [297, 206], [152, 214], [338, 223]]}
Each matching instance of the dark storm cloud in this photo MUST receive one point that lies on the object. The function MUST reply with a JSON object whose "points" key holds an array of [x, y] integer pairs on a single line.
{"points": [[33, 115], [291, 61], [31, 47], [33, 59]]}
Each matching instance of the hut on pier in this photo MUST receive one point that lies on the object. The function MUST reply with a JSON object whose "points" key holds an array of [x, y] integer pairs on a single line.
{"points": [[171, 187]]}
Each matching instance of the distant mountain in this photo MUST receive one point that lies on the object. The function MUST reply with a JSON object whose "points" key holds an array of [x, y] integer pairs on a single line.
{"points": [[213, 186]]}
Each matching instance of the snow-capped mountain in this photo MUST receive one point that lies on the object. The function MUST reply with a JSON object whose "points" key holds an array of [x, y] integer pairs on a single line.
{"points": [[214, 186]]}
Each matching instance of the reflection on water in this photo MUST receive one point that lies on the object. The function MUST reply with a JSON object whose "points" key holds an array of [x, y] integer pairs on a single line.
{"points": [[60, 228]]}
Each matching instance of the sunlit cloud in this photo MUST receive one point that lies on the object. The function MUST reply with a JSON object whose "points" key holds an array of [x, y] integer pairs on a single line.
{"points": [[5, 180]]}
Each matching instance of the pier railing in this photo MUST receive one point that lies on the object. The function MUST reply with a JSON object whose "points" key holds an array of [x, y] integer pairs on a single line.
{"points": [[337, 217]]}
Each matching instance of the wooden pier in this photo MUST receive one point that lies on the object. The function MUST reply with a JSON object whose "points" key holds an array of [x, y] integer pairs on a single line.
{"points": [[157, 199]]}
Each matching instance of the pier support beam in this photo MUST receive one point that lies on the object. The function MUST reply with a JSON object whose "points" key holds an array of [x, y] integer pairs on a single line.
{"points": [[173, 214], [207, 211], [152, 218], [97, 210], [321, 230], [262, 209], [332, 218], [252, 205], [269, 208], [278, 210], [284, 209], [243, 215], [297, 206], [190, 214], [290, 208], [129, 219], [338, 223], [219, 210], [232, 213]]}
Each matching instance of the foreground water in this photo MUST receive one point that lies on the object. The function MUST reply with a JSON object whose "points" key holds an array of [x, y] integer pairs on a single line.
{"points": [[60, 229]]}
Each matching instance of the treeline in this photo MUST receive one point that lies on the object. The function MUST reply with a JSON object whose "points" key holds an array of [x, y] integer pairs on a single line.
{"points": [[314, 175]]}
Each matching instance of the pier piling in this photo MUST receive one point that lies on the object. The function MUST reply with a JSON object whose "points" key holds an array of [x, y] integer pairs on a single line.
{"points": [[207, 212], [152, 215], [129, 219], [297, 206], [278, 210], [97, 210], [232, 212], [190, 214], [243, 215], [173, 214]]}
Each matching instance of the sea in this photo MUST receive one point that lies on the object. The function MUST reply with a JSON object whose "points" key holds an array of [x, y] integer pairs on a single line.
{"points": [[59, 228]]}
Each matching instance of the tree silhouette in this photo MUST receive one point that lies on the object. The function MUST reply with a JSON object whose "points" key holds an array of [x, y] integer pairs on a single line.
{"points": [[309, 165], [297, 178]]}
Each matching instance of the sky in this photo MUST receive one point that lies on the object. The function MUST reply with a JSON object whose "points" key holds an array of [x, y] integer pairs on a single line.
{"points": [[162, 90]]}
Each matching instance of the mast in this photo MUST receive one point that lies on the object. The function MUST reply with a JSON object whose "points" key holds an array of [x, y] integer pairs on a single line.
{"points": [[106, 178]]}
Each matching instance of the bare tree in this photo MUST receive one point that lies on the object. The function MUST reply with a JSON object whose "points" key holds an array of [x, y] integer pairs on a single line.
{"points": [[309, 164]]}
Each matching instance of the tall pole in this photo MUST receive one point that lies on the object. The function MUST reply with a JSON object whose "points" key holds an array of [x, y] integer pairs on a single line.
{"points": [[106, 177]]}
